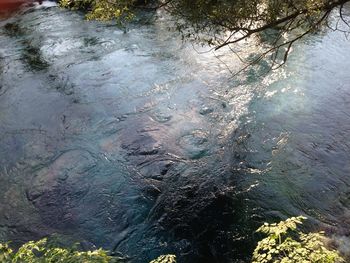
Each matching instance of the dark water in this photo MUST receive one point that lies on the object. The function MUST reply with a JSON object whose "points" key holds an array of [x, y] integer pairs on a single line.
{"points": [[137, 143]]}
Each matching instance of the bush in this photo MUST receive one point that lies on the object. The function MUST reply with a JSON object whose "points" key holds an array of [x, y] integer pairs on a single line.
{"points": [[102, 10], [165, 259], [41, 252], [285, 244]]}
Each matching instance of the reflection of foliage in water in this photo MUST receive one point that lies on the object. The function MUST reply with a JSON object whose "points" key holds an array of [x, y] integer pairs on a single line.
{"points": [[1, 74], [33, 58], [31, 54], [13, 30]]}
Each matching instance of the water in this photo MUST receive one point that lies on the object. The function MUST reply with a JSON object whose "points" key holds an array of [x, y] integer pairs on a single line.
{"points": [[135, 142]]}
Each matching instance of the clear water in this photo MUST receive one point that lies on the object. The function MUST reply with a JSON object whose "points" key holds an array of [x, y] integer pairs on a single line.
{"points": [[136, 142]]}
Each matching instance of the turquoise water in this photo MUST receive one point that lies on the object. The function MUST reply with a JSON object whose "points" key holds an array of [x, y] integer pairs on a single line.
{"points": [[137, 142]]}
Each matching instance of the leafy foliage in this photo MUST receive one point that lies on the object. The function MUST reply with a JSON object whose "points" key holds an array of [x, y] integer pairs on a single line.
{"points": [[42, 252], [39, 252], [221, 23], [285, 244], [165, 259], [103, 10]]}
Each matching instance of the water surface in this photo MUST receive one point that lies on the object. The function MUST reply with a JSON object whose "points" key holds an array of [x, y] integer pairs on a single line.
{"points": [[136, 142]]}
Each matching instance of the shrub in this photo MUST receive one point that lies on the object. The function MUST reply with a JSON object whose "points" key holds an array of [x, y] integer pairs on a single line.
{"points": [[165, 259], [39, 252], [285, 244], [102, 10]]}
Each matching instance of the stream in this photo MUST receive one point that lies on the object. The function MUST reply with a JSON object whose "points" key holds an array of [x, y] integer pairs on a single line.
{"points": [[140, 143]]}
